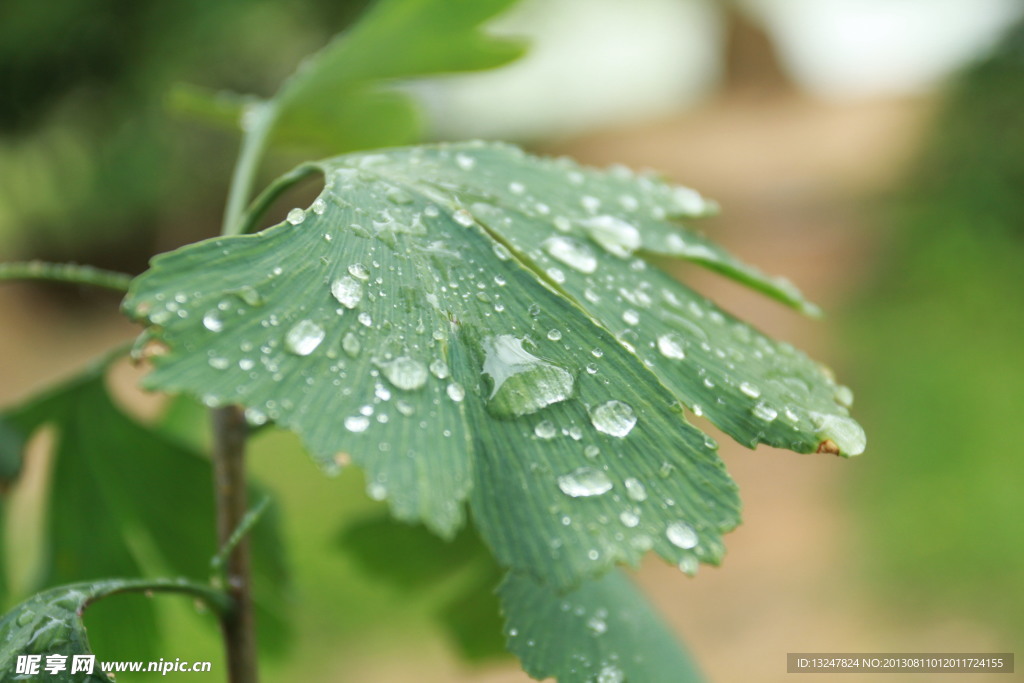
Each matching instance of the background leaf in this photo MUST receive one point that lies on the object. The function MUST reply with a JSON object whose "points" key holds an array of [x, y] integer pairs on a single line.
{"points": [[126, 500], [604, 631]]}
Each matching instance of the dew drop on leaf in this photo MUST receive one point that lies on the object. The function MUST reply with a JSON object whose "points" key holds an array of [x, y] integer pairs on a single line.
{"points": [[681, 535], [614, 234], [613, 417], [750, 390], [635, 490], [455, 392], [763, 411], [348, 291], [671, 346], [213, 322], [584, 482], [572, 253], [521, 383], [303, 338], [545, 430], [357, 423], [296, 216], [405, 373]]}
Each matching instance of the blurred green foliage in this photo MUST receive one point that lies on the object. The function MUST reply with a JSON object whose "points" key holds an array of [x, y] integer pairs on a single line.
{"points": [[941, 333], [88, 152]]}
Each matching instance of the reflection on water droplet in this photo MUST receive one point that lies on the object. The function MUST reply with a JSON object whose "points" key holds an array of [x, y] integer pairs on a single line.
{"points": [[545, 430], [347, 291], [296, 216], [456, 392], [763, 411], [303, 338], [671, 346], [554, 335], [635, 490], [521, 382], [212, 321], [681, 535], [405, 373], [357, 423], [614, 234], [572, 253], [439, 368], [358, 270], [584, 482], [750, 390], [613, 417]]}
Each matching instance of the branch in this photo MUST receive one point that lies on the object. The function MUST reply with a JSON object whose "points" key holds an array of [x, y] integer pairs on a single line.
{"points": [[65, 272]]}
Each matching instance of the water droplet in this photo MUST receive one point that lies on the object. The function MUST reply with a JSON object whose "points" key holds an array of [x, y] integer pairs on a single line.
{"points": [[545, 430], [319, 206], [591, 204], [629, 519], [614, 234], [635, 490], [681, 535], [348, 291], [456, 392], [303, 338], [631, 317], [613, 417], [296, 216], [502, 252], [584, 482], [249, 296], [365, 319], [439, 368], [350, 344], [765, 412], [405, 373], [213, 322], [591, 451], [358, 270], [465, 162], [843, 431], [357, 423], [689, 565], [571, 253], [516, 188], [671, 346], [597, 625], [750, 390], [463, 217], [554, 335], [218, 363], [843, 394], [556, 274], [610, 674], [521, 382]]}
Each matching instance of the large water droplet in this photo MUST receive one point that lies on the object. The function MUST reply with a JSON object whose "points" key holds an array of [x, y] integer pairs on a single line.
{"points": [[671, 346], [613, 417], [572, 253], [681, 535], [405, 372], [584, 482], [347, 291], [521, 382], [303, 338], [614, 234]]}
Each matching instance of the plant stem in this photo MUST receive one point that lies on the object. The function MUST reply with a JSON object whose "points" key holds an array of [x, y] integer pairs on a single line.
{"points": [[216, 600], [238, 625], [257, 123], [65, 272]]}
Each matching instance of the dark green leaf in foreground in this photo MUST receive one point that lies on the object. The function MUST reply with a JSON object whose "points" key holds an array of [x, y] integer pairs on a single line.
{"points": [[604, 631], [342, 97], [397, 321], [124, 500], [50, 623]]}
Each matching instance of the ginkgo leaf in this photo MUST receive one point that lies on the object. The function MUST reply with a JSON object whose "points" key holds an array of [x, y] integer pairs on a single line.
{"points": [[342, 98], [397, 322], [604, 631], [49, 627], [124, 499]]}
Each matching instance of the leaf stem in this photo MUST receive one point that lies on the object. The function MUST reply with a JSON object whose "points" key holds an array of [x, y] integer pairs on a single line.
{"points": [[238, 625], [65, 272], [257, 122], [215, 599]]}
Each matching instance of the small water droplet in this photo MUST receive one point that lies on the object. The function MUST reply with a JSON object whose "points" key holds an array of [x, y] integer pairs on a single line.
{"points": [[296, 216], [358, 270], [502, 252], [843, 394], [635, 490], [572, 253], [689, 565], [357, 423], [465, 162], [365, 319], [763, 411], [671, 346], [597, 625], [613, 417], [463, 217], [629, 519], [545, 430], [584, 482], [554, 335], [610, 674], [213, 322], [303, 338], [516, 188], [456, 392], [348, 291], [218, 363], [591, 204], [631, 317], [350, 344], [750, 390], [405, 373], [681, 535], [319, 206], [614, 234], [439, 368]]}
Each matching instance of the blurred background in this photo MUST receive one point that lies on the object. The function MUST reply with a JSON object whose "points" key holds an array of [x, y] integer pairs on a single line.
{"points": [[872, 151]]}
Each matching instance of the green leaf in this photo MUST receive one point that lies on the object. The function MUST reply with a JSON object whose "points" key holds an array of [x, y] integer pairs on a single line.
{"points": [[604, 631], [398, 322], [126, 500], [342, 98], [50, 623]]}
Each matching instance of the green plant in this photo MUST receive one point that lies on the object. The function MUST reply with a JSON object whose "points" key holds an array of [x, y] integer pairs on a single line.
{"points": [[474, 327]]}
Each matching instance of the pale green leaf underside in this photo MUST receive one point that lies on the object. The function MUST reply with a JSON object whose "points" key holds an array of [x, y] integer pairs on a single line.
{"points": [[391, 322], [603, 631]]}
